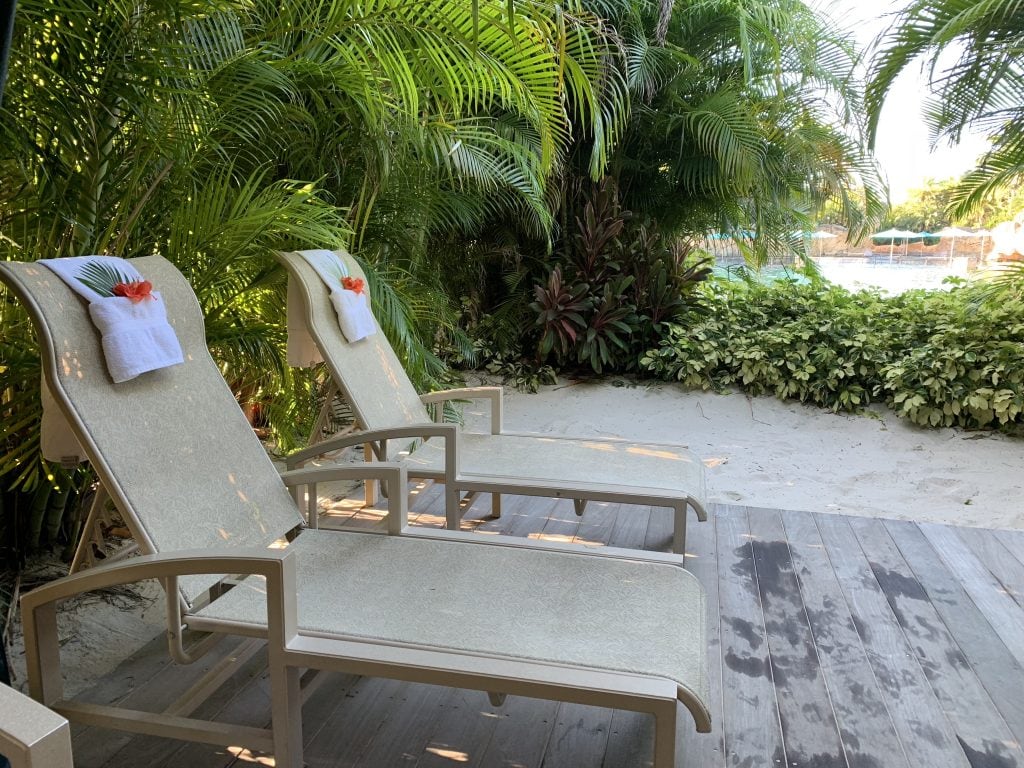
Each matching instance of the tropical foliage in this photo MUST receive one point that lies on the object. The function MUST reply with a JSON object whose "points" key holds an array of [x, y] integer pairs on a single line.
{"points": [[928, 208], [744, 117], [982, 88], [936, 358], [536, 173], [214, 132]]}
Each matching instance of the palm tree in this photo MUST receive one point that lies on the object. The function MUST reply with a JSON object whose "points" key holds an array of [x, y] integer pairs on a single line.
{"points": [[216, 132], [982, 88], [749, 120]]}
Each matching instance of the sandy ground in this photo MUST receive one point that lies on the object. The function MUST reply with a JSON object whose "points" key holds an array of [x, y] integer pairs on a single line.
{"points": [[759, 452], [764, 452]]}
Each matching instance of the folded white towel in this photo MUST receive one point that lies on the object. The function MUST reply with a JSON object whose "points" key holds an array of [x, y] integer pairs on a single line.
{"points": [[134, 331], [353, 307], [354, 314]]}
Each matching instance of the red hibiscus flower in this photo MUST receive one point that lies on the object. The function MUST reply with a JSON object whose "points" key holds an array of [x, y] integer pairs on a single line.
{"points": [[354, 284], [135, 291]]}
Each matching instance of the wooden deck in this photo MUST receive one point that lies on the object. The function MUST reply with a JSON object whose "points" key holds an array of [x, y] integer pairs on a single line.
{"points": [[836, 642]]}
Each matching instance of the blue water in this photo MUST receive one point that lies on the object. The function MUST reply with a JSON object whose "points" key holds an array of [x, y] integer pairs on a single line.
{"points": [[857, 273]]}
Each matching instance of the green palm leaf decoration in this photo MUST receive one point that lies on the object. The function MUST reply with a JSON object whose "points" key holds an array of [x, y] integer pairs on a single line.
{"points": [[101, 277]]}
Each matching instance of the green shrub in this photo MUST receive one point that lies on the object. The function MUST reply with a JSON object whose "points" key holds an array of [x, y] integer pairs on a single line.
{"points": [[939, 359]]}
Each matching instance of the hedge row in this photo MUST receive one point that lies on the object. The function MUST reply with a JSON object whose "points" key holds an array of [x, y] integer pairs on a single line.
{"points": [[937, 358]]}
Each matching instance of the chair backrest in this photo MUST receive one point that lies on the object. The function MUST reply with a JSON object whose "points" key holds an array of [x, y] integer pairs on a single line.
{"points": [[368, 372], [171, 446]]}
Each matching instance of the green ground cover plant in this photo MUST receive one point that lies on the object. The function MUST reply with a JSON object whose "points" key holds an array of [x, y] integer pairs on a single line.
{"points": [[940, 359]]}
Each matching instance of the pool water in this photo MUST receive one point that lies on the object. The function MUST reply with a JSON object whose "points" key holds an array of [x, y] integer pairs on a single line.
{"points": [[857, 273]]}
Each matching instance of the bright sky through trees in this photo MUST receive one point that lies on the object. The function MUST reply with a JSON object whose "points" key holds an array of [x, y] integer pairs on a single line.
{"points": [[902, 147]]}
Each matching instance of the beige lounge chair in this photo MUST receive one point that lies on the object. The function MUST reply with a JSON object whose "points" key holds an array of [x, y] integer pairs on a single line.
{"points": [[201, 497], [385, 403], [32, 736]]}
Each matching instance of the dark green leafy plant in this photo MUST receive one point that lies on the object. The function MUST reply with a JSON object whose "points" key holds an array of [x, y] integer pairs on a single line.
{"points": [[560, 309], [605, 341], [101, 277], [936, 358]]}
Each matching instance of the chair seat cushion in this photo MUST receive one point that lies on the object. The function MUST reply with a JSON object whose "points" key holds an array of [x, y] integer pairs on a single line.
{"points": [[595, 464], [568, 608]]}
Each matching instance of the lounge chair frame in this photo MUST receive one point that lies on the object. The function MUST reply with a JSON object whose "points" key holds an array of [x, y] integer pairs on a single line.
{"points": [[32, 736], [291, 648], [375, 437]]}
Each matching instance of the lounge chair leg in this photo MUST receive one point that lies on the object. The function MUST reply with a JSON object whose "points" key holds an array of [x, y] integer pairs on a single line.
{"points": [[495, 505], [286, 706], [579, 505], [42, 654], [452, 511], [369, 486], [496, 699], [679, 530], [83, 552], [665, 736]]}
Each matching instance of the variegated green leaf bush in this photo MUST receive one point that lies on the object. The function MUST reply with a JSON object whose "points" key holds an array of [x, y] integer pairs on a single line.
{"points": [[937, 358]]}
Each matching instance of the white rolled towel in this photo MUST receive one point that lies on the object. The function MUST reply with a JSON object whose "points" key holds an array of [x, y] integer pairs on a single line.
{"points": [[354, 314], [135, 334], [353, 307]]}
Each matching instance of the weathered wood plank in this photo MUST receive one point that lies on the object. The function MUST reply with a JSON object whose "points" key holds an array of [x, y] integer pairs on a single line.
{"points": [[630, 526], [1013, 541], [865, 726], [153, 752], [353, 724], [631, 741], [928, 740], [462, 731], [562, 524], [661, 525], [579, 737], [520, 516], [404, 735], [706, 750], [809, 729], [750, 711], [1001, 610], [1000, 673], [998, 559], [979, 727], [97, 746], [521, 733], [597, 523]]}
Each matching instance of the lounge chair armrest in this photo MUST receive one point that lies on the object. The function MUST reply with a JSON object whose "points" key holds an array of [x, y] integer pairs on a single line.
{"points": [[386, 472], [270, 563], [32, 735], [39, 614], [395, 475], [494, 394], [448, 432]]}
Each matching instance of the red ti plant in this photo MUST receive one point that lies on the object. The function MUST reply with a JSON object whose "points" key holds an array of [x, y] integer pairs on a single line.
{"points": [[560, 312]]}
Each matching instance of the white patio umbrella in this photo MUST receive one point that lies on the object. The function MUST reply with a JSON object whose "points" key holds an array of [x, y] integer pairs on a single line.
{"points": [[820, 235], [892, 235], [982, 233], [953, 233]]}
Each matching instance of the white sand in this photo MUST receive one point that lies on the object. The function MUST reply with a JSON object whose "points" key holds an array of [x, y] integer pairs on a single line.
{"points": [[764, 452], [759, 452]]}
